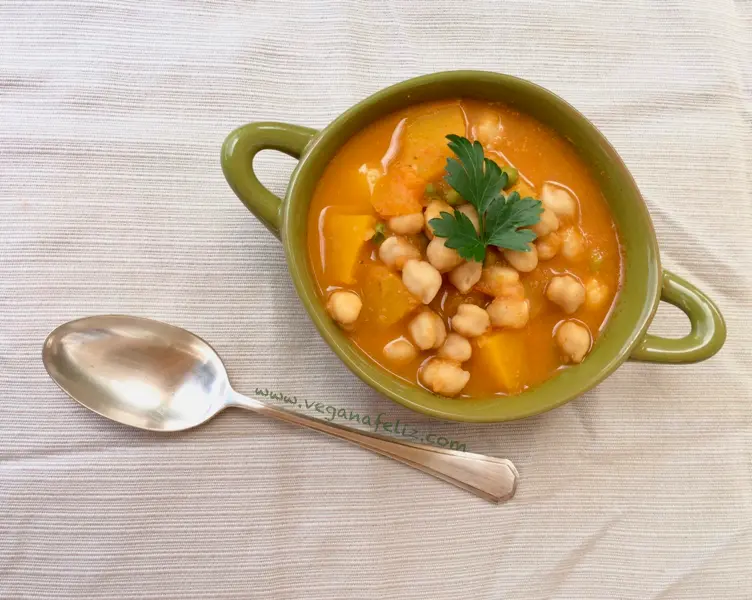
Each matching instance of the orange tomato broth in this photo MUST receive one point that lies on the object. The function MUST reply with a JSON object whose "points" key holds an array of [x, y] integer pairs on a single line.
{"points": [[521, 358]]}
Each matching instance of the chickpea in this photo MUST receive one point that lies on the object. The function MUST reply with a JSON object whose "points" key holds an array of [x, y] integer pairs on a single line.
{"points": [[523, 261], [498, 280], [574, 341], [441, 257], [509, 312], [406, 224], [470, 320], [400, 351], [443, 376], [433, 211], [427, 330], [567, 292], [456, 348], [344, 307], [572, 244], [548, 223], [559, 200], [492, 256], [548, 246], [469, 211], [466, 275], [396, 251], [421, 279], [596, 293]]}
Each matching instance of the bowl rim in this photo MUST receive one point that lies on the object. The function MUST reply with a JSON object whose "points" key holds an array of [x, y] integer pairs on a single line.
{"points": [[533, 401]]}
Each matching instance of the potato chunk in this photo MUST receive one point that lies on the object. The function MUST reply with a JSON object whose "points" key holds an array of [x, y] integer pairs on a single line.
{"points": [[424, 144], [344, 307], [443, 376], [574, 341], [470, 320], [386, 300], [427, 330], [500, 356], [567, 292], [422, 279], [398, 192], [344, 237]]}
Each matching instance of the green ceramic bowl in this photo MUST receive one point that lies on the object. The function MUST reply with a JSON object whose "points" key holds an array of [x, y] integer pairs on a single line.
{"points": [[645, 283]]}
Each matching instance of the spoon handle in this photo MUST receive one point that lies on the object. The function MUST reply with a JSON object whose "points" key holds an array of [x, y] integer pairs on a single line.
{"points": [[494, 479]]}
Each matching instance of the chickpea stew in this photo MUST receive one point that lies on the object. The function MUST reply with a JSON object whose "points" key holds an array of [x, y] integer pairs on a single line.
{"points": [[474, 265]]}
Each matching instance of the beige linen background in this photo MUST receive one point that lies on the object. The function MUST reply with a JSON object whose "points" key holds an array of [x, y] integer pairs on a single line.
{"points": [[112, 114]]}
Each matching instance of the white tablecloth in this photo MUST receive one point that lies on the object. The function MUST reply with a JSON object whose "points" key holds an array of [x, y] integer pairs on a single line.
{"points": [[112, 114]]}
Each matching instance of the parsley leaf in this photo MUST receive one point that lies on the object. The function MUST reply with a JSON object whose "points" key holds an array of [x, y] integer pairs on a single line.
{"points": [[460, 235], [480, 181], [476, 178], [504, 219]]}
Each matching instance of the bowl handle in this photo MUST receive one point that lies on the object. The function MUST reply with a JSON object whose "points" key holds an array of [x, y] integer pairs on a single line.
{"points": [[708, 329], [238, 151]]}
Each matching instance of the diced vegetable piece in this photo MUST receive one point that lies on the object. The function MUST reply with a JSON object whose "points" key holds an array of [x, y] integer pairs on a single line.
{"points": [[512, 175], [386, 300], [379, 233], [453, 198], [398, 193], [344, 236], [500, 355], [424, 145], [535, 291]]}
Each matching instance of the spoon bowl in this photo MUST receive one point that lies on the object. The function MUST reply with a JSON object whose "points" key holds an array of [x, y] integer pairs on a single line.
{"points": [[139, 372], [159, 377]]}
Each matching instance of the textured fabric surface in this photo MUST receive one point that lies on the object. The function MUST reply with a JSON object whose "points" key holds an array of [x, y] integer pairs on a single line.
{"points": [[112, 114]]}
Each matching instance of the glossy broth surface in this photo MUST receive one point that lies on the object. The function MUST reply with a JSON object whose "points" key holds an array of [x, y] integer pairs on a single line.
{"points": [[530, 354]]}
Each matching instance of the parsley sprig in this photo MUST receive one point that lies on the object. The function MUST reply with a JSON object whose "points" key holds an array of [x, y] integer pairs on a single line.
{"points": [[480, 181]]}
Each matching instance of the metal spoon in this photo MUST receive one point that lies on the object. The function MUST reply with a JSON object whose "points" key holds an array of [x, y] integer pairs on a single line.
{"points": [[159, 377]]}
